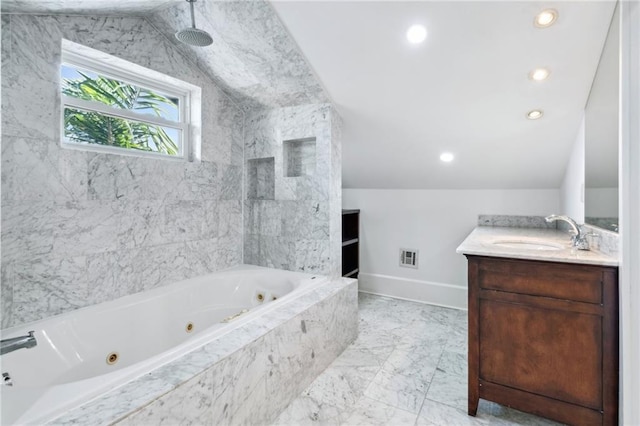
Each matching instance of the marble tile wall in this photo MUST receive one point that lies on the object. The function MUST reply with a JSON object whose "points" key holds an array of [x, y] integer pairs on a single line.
{"points": [[253, 58], [247, 376], [299, 227], [81, 228]]}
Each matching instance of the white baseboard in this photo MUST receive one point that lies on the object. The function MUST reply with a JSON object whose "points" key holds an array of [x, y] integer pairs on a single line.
{"points": [[447, 295]]}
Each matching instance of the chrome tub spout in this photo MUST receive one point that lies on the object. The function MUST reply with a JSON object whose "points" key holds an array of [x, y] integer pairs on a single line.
{"points": [[15, 343]]}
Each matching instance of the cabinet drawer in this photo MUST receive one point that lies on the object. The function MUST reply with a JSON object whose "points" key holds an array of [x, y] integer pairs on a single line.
{"points": [[559, 281]]}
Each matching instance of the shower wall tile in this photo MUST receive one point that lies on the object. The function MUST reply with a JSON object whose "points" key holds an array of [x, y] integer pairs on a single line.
{"points": [[230, 218], [6, 289], [55, 284], [85, 228], [263, 217], [27, 229], [5, 38], [307, 218], [253, 59], [36, 169], [34, 54], [80, 228], [230, 182], [335, 195], [312, 256], [294, 230]]}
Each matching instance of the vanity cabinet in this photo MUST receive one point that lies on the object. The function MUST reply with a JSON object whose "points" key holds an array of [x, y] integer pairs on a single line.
{"points": [[543, 338]]}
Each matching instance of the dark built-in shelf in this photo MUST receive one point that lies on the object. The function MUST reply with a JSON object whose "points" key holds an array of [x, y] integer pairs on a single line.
{"points": [[350, 243]]}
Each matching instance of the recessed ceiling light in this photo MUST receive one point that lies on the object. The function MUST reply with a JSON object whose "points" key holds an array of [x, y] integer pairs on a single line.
{"points": [[535, 114], [416, 34], [546, 18], [539, 74], [447, 157]]}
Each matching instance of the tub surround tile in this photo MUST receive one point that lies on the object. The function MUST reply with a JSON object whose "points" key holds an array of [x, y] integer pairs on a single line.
{"points": [[193, 396], [303, 347], [238, 364], [240, 384]]}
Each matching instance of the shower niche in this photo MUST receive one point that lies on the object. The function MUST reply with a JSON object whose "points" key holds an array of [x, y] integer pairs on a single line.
{"points": [[261, 178], [299, 157]]}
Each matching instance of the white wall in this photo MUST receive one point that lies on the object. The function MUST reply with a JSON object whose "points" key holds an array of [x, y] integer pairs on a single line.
{"points": [[434, 222], [630, 211], [572, 189]]}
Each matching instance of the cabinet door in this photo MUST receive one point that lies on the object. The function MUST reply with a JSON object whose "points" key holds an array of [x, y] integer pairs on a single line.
{"points": [[548, 352]]}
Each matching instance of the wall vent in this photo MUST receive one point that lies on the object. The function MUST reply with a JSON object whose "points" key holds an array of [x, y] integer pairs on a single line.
{"points": [[409, 258]]}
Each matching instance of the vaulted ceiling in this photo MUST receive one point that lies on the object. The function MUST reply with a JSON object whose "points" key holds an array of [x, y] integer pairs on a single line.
{"points": [[465, 90]]}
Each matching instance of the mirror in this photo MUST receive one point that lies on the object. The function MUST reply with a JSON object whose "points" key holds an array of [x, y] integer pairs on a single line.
{"points": [[601, 136]]}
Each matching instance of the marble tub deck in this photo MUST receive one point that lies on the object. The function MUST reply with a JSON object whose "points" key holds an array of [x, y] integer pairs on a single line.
{"points": [[408, 366]]}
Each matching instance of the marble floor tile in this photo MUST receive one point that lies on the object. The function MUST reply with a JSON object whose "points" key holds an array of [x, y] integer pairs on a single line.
{"points": [[370, 412], [453, 363], [304, 411], [437, 414], [449, 389], [504, 416], [341, 387], [408, 366], [398, 390]]}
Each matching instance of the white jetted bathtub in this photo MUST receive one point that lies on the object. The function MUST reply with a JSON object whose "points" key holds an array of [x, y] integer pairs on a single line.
{"points": [[84, 353]]}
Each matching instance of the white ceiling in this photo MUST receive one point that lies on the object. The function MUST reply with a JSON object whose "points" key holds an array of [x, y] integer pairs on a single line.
{"points": [[464, 90]]}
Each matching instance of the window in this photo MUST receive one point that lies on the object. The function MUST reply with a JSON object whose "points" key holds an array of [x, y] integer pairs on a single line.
{"points": [[112, 105]]}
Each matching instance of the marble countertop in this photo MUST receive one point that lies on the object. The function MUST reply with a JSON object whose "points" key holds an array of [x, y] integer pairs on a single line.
{"points": [[482, 241]]}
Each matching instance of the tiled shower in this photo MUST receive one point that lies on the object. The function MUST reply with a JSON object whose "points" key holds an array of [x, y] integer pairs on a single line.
{"points": [[81, 228]]}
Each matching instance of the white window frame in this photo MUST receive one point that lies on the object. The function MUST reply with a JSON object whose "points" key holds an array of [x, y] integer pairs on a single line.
{"points": [[189, 96]]}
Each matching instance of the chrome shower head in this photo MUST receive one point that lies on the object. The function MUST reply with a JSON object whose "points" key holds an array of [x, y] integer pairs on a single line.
{"points": [[194, 36]]}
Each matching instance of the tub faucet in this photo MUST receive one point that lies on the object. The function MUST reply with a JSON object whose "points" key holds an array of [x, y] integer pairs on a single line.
{"points": [[15, 343], [579, 240]]}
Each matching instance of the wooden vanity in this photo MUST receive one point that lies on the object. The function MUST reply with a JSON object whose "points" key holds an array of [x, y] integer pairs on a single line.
{"points": [[543, 337]]}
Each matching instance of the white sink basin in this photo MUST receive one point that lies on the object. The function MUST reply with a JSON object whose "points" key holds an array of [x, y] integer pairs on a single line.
{"points": [[523, 244]]}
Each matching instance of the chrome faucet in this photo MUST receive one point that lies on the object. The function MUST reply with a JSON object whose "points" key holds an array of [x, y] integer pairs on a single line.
{"points": [[15, 343], [579, 240]]}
